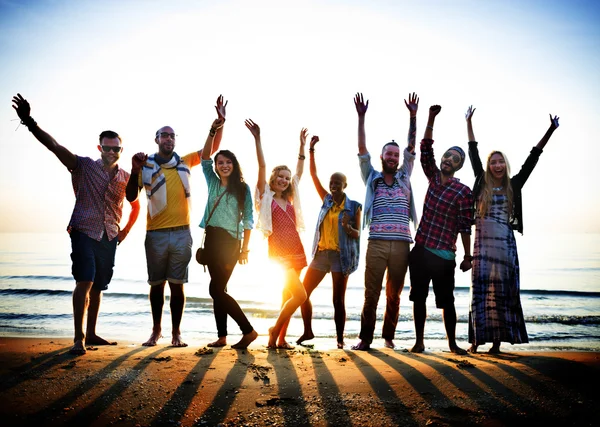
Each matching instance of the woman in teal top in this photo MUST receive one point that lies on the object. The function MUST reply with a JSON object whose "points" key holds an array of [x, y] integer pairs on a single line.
{"points": [[228, 223]]}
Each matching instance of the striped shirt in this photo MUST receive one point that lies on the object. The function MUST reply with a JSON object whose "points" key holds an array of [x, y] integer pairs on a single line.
{"points": [[447, 210], [390, 213], [98, 199]]}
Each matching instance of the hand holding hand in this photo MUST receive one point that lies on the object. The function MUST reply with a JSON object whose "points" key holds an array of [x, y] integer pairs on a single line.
{"points": [[359, 103], [253, 128], [553, 122], [434, 110], [137, 161], [121, 236], [217, 124], [412, 104], [21, 106], [220, 107], [471, 111]]}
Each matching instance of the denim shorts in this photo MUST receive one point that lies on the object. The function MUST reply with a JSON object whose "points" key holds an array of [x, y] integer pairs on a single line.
{"points": [[327, 261], [93, 261], [168, 254]]}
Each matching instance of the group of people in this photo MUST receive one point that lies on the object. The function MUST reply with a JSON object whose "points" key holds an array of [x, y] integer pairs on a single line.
{"points": [[450, 208]]}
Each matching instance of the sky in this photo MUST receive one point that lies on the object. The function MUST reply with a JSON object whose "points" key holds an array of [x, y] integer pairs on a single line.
{"points": [[134, 66]]}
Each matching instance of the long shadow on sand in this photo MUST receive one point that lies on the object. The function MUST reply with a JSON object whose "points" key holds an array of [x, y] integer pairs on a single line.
{"points": [[394, 407], [219, 407], [181, 399]]}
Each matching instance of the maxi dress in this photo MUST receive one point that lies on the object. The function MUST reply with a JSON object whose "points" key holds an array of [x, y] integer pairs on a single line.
{"points": [[285, 245], [495, 313]]}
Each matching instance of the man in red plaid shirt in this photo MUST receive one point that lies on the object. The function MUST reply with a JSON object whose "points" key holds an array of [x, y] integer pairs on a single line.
{"points": [[447, 211], [99, 187]]}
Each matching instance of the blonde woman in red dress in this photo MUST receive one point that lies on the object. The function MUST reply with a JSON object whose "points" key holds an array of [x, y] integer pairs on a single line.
{"points": [[280, 219]]}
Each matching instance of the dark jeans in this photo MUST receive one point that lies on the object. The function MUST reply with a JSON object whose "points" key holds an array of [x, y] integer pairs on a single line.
{"points": [[224, 252]]}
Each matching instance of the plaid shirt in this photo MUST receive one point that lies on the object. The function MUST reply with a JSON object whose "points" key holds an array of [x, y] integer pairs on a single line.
{"points": [[447, 210], [98, 199]]}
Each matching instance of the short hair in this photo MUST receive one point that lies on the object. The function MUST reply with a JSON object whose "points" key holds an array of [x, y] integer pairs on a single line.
{"points": [[392, 142], [110, 135]]}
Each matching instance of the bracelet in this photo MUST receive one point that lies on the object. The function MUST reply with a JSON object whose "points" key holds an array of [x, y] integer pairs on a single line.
{"points": [[301, 157], [311, 150], [29, 122], [212, 132], [430, 127]]}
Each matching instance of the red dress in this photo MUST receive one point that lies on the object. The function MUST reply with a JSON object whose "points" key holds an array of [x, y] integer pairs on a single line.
{"points": [[284, 243]]}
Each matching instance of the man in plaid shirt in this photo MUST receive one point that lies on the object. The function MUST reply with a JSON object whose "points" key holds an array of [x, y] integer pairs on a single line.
{"points": [[99, 187], [447, 211]]}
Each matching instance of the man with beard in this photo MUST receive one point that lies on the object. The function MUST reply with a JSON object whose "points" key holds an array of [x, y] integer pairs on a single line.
{"points": [[447, 211], [389, 206], [166, 178], [94, 230]]}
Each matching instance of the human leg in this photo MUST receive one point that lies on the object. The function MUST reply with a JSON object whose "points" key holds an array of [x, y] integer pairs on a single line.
{"points": [[91, 338], [339, 283], [80, 304], [157, 301], [312, 279], [419, 288], [157, 259], [298, 296], [179, 256], [177, 305], [397, 266]]}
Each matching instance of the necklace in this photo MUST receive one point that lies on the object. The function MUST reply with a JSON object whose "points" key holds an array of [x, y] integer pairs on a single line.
{"points": [[498, 188]]}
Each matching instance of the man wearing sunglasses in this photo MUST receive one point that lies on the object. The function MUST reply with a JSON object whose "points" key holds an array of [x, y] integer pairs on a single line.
{"points": [[165, 177], [94, 229], [447, 211]]}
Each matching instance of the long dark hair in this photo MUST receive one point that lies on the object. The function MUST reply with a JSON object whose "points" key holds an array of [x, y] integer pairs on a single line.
{"points": [[235, 184]]}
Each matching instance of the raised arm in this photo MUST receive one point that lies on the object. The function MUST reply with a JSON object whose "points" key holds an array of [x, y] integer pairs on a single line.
{"points": [[260, 157], [434, 110], [23, 110], [427, 157], [301, 156], [473, 150], [469, 117], [413, 106], [210, 139], [133, 216], [361, 110], [133, 188], [313, 168], [549, 132], [221, 113]]}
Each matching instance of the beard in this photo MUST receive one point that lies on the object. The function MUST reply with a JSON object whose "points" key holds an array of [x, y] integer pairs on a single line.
{"points": [[447, 172], [387, 168]]}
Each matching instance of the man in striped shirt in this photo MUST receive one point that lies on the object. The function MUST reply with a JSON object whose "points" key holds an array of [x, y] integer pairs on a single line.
{"points": [[99, 187], [389, 206], [447, 211]]}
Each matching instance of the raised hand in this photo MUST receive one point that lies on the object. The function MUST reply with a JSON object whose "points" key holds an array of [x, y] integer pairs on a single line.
{"points": [[253, 128], [137, 161], [220, 107], [313, 141], [471, 111], [434, 110], [553, 121], [303, 135], [359, 103], [412, 104], [21, 106], [217, 123]]}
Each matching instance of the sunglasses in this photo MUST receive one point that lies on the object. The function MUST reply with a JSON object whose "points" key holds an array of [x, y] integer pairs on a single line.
{"points": [[107, 149], [455, 158], [167, 134]]}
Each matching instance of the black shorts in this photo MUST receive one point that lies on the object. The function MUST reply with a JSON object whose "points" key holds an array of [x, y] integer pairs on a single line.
{"points": [[93, 261], [427, 267]]}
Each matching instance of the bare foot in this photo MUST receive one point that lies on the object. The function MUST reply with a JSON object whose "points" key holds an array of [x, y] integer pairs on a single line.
{"points": [[221, 342], [177, 341], [472, 349], [153, 339], [246, 340], [495, 349], [419, 347], [272, 339], [305, 337], [285, 345], [361, 346], [457, 350], [96, 340], [78, 348], [389, 344], [340, 344]]}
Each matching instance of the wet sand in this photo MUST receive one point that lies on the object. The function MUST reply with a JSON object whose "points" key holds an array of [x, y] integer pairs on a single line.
{"points": [[41, 384]]}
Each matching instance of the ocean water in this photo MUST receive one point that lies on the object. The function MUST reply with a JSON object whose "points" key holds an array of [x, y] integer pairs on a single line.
{"points": [[560, 294]]}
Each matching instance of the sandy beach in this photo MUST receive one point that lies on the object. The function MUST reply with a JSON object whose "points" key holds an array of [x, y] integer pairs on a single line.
{"points": [[130, 385]]}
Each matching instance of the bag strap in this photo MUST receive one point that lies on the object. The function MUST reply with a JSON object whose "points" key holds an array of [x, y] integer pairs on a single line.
{"points": [[210, 215]]}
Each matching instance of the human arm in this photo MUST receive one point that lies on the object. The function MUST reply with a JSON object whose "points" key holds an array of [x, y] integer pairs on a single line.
{"points": [[313, 169], [361, 110], [352, 229], [260, 157], [413, 106], [243, 258], [473, 150], [221, 113], [133, 216], [209, 143], [23, 110], [467, 262], [427, 157], [549, 132], [465, 221], [301, 156], [133, 188]]}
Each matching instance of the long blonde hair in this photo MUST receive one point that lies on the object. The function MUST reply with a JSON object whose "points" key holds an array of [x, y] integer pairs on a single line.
{"points": [[288, 194], [487, 189]]}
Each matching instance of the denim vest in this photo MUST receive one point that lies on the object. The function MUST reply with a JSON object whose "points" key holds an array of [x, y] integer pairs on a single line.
{"points": [[349, 247]]}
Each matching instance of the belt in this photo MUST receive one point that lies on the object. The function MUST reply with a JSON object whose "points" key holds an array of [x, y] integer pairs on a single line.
{"points": [[169, 229]]}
